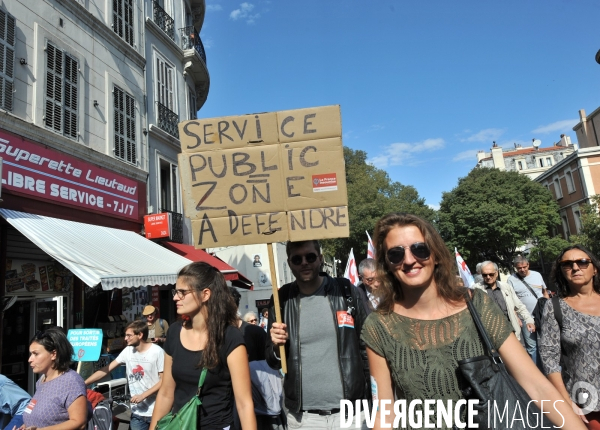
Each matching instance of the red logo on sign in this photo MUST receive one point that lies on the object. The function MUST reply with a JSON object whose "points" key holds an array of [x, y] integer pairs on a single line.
{"points": [[324, 182], [157, 226], [345, 319]]}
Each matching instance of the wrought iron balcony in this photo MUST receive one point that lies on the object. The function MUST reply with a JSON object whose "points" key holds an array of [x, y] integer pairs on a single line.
{"points": [[168, 120], [176, 226], [163, 20], [191, 39]]}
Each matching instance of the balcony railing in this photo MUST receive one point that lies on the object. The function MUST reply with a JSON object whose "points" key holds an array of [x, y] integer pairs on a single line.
{"points": [[191, 39], [168, 120], [163, 20], [176, 226]]}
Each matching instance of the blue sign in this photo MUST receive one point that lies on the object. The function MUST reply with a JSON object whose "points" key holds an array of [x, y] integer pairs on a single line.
{"points": [[87, 343]]}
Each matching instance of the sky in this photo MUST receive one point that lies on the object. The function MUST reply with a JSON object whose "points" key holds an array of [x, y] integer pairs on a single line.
{"points": [[422, 84]]}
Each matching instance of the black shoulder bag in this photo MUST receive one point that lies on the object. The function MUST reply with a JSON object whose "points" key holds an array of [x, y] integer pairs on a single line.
{"points": [[538, 310], [489, 382]]}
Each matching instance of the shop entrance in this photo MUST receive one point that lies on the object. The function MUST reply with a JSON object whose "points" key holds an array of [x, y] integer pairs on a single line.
{"points": [[21, 321]]}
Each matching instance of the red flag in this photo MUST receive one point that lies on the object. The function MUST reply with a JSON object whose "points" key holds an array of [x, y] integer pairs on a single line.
{"points": [[351, 273], [370, 247]]}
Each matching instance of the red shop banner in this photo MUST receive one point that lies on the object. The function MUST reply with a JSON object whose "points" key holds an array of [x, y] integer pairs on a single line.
{"points": [[45, 174]]}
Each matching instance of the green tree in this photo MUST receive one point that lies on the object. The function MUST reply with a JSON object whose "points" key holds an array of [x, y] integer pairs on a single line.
{"points": [[371, 194], [589, 235], [491, 213]]}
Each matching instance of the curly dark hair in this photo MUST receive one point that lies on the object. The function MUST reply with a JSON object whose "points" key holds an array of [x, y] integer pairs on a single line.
{"points": [[558, 277], [221, 310], [444, 274], [55, 340]]}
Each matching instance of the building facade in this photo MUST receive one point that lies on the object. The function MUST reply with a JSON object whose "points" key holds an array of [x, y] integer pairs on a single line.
{"points": [[91, 93], [177, 83], [530, 161], [577, 177]]}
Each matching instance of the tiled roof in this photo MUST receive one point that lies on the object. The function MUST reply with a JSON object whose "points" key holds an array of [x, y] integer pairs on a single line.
{"points": [[525, 151]]}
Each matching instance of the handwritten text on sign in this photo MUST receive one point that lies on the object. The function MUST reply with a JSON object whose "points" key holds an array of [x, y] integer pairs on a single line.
{"points": [[264, 178]]}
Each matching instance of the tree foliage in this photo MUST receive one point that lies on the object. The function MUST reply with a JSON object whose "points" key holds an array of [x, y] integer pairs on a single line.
{"points": [[491, 213], [589, 235], [371, 194]]}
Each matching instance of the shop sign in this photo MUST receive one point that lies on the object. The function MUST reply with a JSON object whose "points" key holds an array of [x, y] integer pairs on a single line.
{"points": [[86, 342], [155, 297], [157, 226], [45, 174], [262, 303]]}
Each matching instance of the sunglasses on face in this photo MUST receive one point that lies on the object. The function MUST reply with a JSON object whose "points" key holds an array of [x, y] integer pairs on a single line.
{"points": [[419, 250], [253, 320], [488, 275], [582, 263], [310, 258]]}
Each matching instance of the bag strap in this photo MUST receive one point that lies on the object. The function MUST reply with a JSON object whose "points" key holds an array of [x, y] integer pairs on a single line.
{"points": [[346, 285], [201, 381], [557, 311], [527, 285], [487, 342]]}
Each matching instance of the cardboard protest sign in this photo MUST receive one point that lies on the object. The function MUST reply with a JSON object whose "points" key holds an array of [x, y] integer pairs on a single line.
{"points": [[264, 178]]}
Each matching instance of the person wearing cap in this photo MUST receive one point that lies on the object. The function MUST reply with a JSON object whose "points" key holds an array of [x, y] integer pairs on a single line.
{"points": [[157, 327]]}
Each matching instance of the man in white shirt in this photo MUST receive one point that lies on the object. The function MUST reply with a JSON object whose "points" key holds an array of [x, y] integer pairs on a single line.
{"points": [[529, 287], [144, 362]]}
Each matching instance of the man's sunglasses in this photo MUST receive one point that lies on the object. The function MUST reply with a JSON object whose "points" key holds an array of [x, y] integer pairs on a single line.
{"points": [[582, 263], [419, 250], [296, 260]]}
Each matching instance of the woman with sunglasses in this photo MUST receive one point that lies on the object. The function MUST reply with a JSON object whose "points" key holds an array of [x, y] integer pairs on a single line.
{"points": [[422, 326], [206, 337], [60, 397], [571, 353]]}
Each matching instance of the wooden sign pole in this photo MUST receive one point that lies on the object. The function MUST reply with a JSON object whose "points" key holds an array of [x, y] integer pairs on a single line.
{"points": [[276, 303]]}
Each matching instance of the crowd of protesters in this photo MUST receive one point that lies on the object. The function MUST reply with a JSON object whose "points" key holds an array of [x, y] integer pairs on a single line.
{"points": [[400, 334]]}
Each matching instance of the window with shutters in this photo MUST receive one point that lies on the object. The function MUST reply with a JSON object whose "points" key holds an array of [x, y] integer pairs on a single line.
{"points": [[7, 59], [124, 118], [61, 91], [192, 104], [166, 118], [123, 19], [164, 83]]}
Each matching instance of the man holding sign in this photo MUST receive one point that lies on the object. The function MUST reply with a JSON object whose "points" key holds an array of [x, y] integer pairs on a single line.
{"points": [[316, 339], [144, 362]]}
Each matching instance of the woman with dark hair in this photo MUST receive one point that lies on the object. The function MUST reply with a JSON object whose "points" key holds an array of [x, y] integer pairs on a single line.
{"points": [[207, 337], [422, 326], [571, 352], [60, 398]]}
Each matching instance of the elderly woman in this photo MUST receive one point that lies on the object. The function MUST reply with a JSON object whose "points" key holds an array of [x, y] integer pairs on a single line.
{"points": [[422, 326], [251, 318], [571, 352], [60, 398]]}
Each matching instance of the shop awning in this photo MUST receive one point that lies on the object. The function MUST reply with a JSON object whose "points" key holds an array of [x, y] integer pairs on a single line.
{"points": [[230, 273], [115, 258]]}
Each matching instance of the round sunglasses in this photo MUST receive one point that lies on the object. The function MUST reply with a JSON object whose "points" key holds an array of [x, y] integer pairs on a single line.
{"points": [[419, 250], [296, 260]]}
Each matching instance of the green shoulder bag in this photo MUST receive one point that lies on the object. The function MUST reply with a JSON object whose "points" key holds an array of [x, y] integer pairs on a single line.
{"points": [[187, 416]]}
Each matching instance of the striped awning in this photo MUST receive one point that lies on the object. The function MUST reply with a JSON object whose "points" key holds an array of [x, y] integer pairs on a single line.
{"points": [[100, 255]]}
